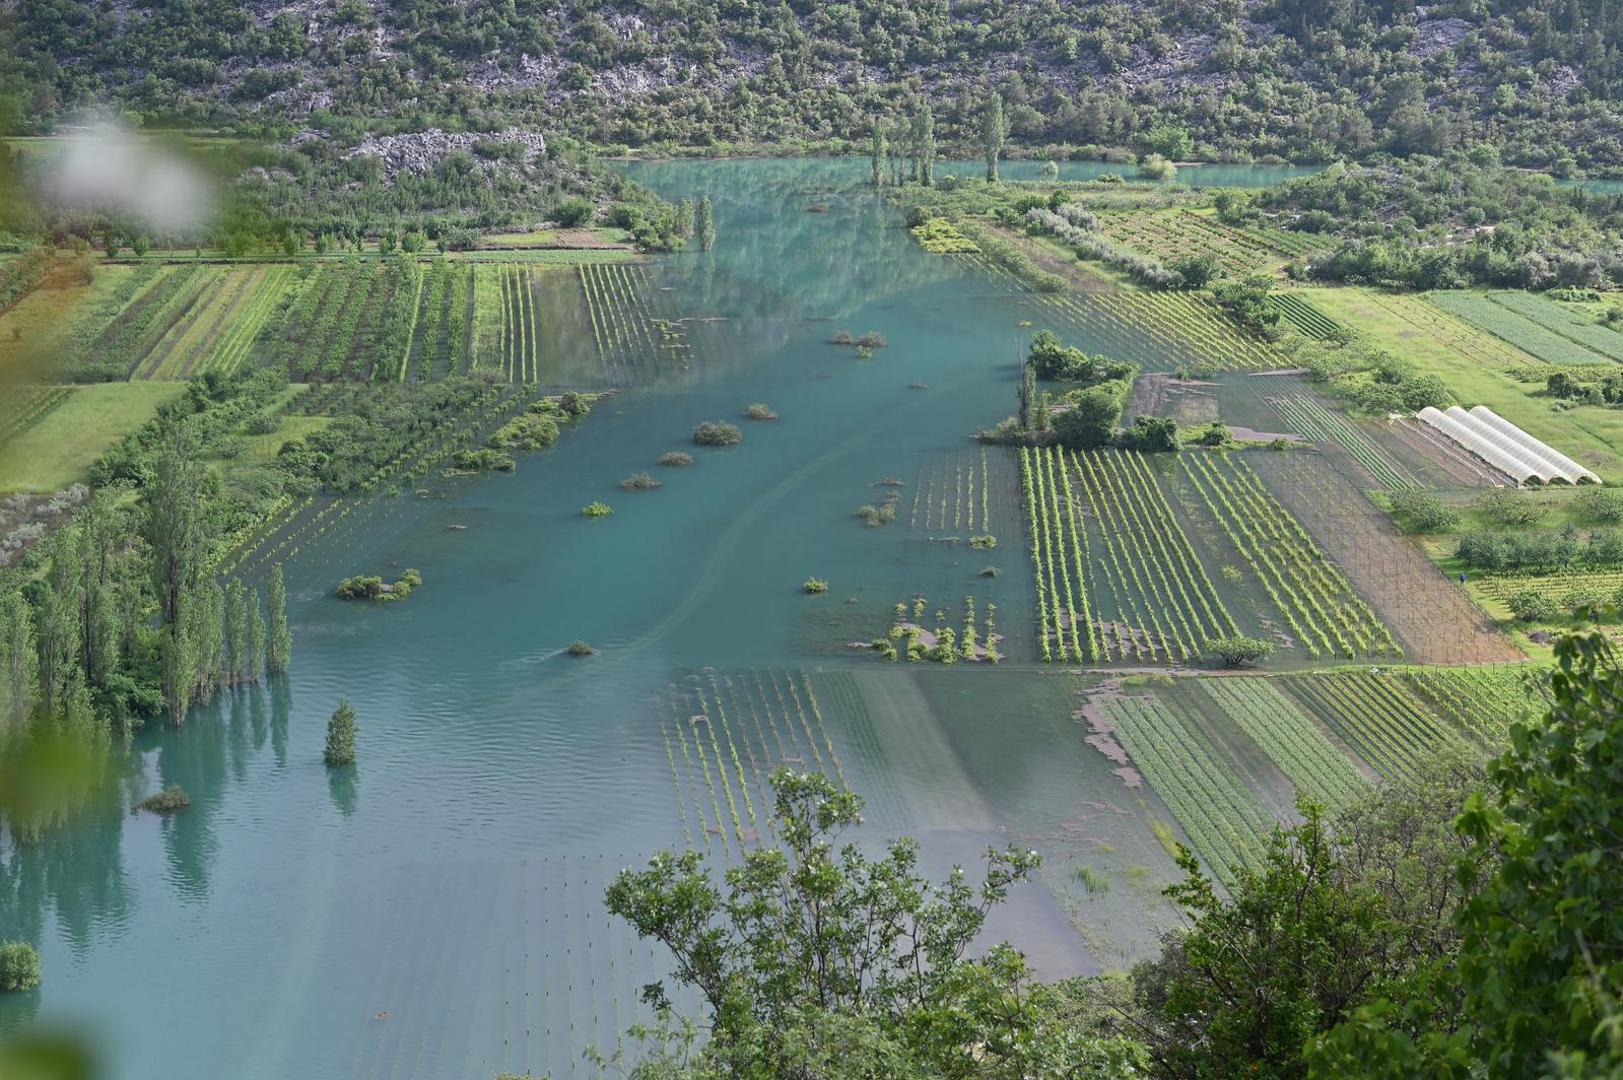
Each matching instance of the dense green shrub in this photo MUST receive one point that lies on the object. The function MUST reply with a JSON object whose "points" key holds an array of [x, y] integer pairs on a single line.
{"points": [[716, 433], [340, 748], [19, 966], [167, 801]]}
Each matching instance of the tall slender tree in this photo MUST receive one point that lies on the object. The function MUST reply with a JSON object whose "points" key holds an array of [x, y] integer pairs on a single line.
{"points": [[236, 630], [878, 150], [279, 646], [19, 661], [58, 622], [256, 638], [176, 527], [924, 148], [704, 223], [994, 130]]}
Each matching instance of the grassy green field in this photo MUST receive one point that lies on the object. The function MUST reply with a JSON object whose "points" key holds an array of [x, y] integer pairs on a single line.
{"points": [[1592, 435], [59, 449]]}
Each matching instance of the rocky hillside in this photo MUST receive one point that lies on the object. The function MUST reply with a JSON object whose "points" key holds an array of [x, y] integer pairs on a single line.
{"points": [[1297, 79]]}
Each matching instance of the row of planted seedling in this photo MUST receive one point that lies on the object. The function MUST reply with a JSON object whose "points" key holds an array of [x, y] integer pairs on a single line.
{"points": [[910, 636], [214, 313], [1159, 581], [1321, 425], [959, 501], [439, 338], [1290, 738], [150, 316], [1305, 317], [1065, 624], [1218, 813], [725, 733], [1377, 716], [1482, 700], [1315, 598], [624, 328]]}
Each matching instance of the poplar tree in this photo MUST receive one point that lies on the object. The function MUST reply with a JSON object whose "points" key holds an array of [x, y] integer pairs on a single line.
{"points": [[236, 624], [279, 647], [58, 625], [256, 639], [878, 151], [340, 748], [19, 661], [993, 131], [704, 223]]}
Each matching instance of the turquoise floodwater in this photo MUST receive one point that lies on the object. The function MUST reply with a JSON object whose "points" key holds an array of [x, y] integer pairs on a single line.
{"points": [[438, 913]]}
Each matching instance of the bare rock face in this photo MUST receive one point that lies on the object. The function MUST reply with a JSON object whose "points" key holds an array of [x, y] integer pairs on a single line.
{"points": [[422, 151]]}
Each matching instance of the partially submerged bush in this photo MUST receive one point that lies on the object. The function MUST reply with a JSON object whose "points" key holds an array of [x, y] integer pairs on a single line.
{"points": [[639, 482], [484, 460], [340, 747], [757, 410], [983, 543], [373, 587], [675, 458], [716, 433], [814, 586], [167, 801], [596, 510], [19, 966], [580, 648]]}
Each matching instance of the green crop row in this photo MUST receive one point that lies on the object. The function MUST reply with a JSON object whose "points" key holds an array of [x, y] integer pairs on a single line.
{"points": [[1217, 812], [1559, 320], [1322, 425], [1315, 598], [25, 406], [1376, 715], [1484, 700], [1290, 738], [1483, 313], [1065, 624], [1305, 317], [1160, 584]]}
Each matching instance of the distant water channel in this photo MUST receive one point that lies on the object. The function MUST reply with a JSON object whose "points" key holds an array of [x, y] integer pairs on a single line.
{"points": [[440, 913]]}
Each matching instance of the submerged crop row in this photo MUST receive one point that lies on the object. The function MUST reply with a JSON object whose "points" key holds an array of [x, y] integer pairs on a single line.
{"points": [[628, 337], [1318, 603], [724, 735], [1322, 425]]}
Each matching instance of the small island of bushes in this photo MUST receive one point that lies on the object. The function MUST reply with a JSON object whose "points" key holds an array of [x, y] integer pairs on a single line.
{"points": [[716, 433], [373, 587]]}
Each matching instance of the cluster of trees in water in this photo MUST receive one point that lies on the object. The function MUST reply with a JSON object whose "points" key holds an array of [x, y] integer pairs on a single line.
{"points": [[1457, 924], [1292, 79]]}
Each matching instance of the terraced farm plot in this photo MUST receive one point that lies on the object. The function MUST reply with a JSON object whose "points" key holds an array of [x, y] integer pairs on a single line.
{"points": [[1322, 425], [330, 330], [211, 321], [1309, 320], [1559, 320], [60, 446], [1290, 738], [1481, 701], [1166, 235], [1562, 586], [1512, 326], [1376, 715], [1159, 330], [1324, 612], [1194, 778]]}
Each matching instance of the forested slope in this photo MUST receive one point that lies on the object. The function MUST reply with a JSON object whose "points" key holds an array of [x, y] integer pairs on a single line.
{"points": [[1302, 79]]}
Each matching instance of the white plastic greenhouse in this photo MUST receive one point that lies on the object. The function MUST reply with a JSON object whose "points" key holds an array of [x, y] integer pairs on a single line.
{"points": [[1505, 446], [1573, 471], [1467, 437]]}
